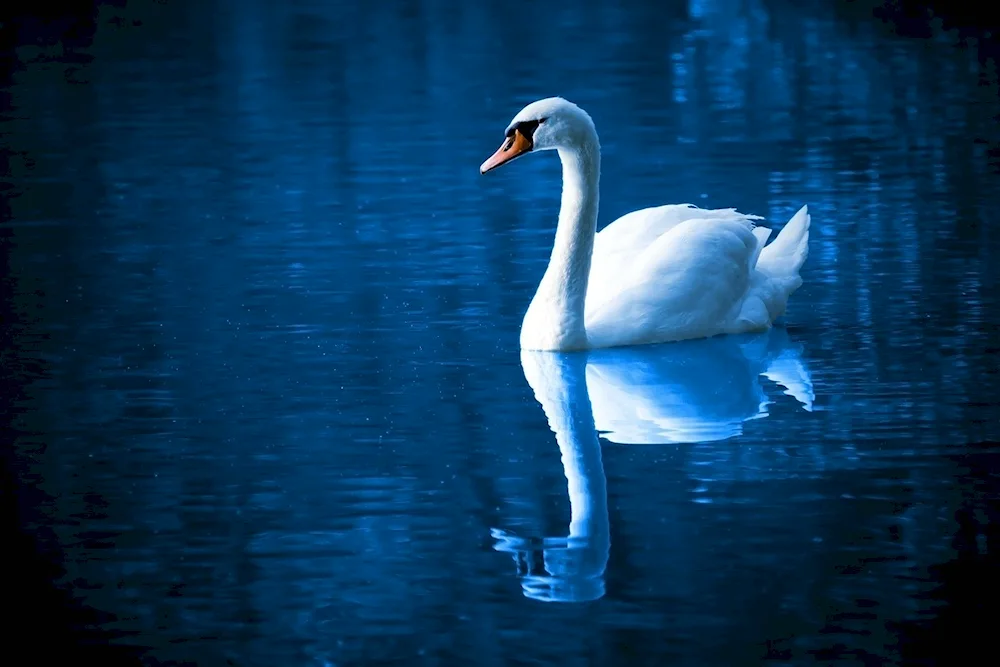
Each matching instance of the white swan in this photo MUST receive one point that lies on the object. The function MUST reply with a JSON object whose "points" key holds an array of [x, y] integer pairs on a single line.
{"points": [[655, 275]]}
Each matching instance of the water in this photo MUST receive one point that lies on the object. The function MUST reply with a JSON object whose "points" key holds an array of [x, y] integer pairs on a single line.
{"points": [[267, 402]]}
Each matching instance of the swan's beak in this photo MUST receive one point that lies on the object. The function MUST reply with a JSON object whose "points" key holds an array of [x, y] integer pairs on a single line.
{"points": [[513, 146]]}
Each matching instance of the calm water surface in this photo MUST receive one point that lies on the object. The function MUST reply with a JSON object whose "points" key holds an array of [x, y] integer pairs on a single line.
{"points": [[270, 405]]}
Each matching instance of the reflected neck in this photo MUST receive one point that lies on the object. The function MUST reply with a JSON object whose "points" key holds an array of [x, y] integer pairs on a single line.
{"points": [[576, 564], [555, 318], [559, 383]]}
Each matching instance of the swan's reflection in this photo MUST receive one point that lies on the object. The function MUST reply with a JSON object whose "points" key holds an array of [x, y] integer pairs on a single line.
{"points": [[693, 391]]}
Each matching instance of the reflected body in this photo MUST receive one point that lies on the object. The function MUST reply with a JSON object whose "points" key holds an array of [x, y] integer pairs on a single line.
{"points": [[691, 392], [655, 275], [261, 346]]}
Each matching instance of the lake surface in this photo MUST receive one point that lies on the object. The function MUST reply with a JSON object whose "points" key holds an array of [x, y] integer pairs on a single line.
{"points": [[265, 394]]}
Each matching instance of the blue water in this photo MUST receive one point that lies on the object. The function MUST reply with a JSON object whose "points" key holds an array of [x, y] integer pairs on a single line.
{"points": [[270, 407]]}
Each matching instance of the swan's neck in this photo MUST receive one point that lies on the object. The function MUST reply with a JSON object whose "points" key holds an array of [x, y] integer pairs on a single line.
{"points": [[555, 318]]}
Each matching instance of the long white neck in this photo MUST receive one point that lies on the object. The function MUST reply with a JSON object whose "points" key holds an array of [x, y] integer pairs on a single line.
{"points": [[555, 318]]}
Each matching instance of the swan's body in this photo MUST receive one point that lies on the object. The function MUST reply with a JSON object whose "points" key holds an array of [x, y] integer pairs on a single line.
{"points": [[655, 275]]}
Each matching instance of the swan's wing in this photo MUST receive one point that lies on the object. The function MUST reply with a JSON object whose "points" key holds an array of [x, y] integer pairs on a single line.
{"points": [[616, 245], [640, 228], [688, 282]]}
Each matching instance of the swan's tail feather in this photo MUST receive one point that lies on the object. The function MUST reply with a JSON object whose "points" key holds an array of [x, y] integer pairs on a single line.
{"points": [[762, 234], [777, 273], [788, 252]]}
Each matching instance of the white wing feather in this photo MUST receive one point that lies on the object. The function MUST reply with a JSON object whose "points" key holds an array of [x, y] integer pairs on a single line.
{"points": [[678, 272]]}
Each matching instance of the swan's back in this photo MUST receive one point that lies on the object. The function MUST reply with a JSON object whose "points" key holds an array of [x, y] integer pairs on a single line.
{"points": [[679, 272], [618, 242]]}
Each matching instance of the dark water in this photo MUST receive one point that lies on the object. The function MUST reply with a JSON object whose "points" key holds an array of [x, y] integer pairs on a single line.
{"points": [[267, 402]]}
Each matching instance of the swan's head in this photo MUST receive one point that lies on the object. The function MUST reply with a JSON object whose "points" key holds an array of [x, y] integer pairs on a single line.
{"points": [[543, 125]]}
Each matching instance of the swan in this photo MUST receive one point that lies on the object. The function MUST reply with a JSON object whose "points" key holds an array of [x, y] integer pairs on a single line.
{"points": [[655, 275]]}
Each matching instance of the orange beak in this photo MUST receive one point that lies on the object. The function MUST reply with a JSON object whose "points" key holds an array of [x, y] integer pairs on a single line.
{"points": [[515, 145]]}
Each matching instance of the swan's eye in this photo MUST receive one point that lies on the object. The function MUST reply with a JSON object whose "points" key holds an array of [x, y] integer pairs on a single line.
{"points": [[542, 120], [526, 128]]}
